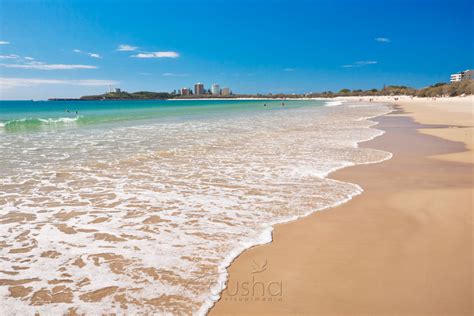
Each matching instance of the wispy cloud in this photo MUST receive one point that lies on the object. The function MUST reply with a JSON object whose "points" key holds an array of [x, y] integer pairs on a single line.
{"points": [[367, 62], [126, 48], [4, 43], [6, 82], [156, 55], [44, 66], [11, 56], [382, 39], [360, 64], [93, 55], [289, 69], [171, 74], [16, 57]]}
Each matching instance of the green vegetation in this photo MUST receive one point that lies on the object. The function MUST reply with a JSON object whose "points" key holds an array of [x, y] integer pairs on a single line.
{"points": [[141, 95], [440, 89], [464, 87]]}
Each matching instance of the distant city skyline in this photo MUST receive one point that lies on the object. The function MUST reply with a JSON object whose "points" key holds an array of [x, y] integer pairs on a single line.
{"points": [[74, 48]]}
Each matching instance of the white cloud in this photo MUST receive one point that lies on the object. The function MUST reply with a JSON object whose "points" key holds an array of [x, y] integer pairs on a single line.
{"points": [[43, 66], [11, 56], [289, 69], [93, 55], [170, 74], [29, 58], [360, 63], [28, 82], [367, 62], [157, 55], [4, 43], [126, 48], [382, 39]]}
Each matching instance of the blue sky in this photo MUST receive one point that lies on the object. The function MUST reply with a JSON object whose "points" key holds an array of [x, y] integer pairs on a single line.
{"points": [[73, 48]]}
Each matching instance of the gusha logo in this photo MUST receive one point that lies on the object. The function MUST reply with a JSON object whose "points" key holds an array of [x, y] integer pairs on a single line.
{"points": [[250, 288], [257, 268]]}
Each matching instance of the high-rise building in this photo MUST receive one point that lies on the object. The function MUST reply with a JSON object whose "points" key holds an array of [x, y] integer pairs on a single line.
{"points": [[225, 91], [198, 88], [215, 89], [185, 91]]}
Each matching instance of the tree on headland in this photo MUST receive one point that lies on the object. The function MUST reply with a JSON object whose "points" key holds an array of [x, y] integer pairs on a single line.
{"points": [[344, 91]]}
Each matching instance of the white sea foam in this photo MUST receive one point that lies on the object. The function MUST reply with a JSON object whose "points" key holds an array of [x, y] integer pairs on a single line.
{"points": [[60, 120], [159, 211], [333, 103]]}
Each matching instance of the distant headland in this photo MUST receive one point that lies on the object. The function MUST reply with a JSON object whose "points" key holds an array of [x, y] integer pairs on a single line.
{"points": [[455, 88]]}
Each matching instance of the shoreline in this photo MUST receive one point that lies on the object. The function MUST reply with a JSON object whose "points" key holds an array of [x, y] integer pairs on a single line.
{"points": [[240, 270], [266, 237], [268, 233], [75, 230]]}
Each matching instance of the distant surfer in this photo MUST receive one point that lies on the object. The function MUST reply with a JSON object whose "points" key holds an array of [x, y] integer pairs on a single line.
{"points": [[283, 104], [264, 104]]}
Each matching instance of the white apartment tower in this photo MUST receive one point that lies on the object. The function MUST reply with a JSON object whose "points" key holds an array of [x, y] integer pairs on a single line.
{"points": [[215, 89]]}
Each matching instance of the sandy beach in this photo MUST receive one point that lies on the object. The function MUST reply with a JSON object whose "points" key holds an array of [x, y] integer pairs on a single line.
{"points": [[402, 247]]}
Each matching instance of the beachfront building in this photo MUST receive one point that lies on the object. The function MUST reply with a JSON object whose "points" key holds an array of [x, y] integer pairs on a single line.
{"points": [[463, 75], [225, 91], [185, 91], [117, 90], [199, 88], [215, 89], [456, 77]]}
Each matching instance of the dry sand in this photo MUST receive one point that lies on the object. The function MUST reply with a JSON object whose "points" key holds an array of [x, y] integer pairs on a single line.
{"points": [[403, 247]]}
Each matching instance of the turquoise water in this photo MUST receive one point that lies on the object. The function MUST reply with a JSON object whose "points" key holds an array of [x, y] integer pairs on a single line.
{"points": [[45, 115]]}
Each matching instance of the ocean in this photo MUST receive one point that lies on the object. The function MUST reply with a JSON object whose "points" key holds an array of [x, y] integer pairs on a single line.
{"points": [[139, 206]]}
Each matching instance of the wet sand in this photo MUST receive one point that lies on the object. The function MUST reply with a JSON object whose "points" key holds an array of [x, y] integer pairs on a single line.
{"points": [[403, 247]]}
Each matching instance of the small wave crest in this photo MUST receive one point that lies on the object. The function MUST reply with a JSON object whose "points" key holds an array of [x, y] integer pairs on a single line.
{"points": [[333, 103], [35, 123]]}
